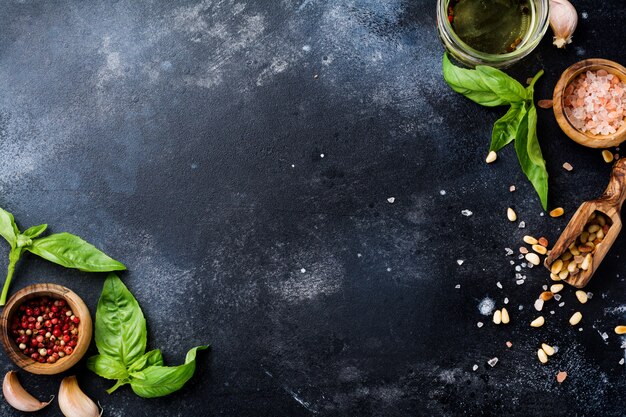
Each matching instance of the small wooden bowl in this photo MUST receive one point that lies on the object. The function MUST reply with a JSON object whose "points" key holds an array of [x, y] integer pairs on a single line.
{"points": [[586, 139], [78, 308]]}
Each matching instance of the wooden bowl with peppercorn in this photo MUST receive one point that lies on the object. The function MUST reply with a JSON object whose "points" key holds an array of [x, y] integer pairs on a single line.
{"points": [[584, 103], [46, 328]]}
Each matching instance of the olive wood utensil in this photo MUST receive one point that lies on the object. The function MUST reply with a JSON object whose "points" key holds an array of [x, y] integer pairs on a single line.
{"points": [[610, 204]]}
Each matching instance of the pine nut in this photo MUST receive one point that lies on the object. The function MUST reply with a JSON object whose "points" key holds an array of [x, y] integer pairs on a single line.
{"points": [[563, 274], [556, 266], [586, 263], [566, 256], [497, 317], [541, 250], [601, 220], [555, 277], [530, 240], [582, 296], [584, 237], [548, 349], [543, 241], [538, 322], [571, 267], [546, 295], [505, 316], [590, 238], [543, 358], [620, 330], [579, 259], [607, 156], [576, 318], [510, 214], [556, 288], [557, 212], [600, 234], [491, 157], [533, 258], [574, 251], [593, 228], [538, 304]]}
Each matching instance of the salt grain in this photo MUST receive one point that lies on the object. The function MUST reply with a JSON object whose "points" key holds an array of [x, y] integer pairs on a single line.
{"points": [[522, 224], [391, 200], [479, 324], [466, 213], [442, 192], [475, 368], [498, 285], [492, 362], [460, 261]]}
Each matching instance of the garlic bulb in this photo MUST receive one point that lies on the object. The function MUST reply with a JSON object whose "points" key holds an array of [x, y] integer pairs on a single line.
{"points": [[563, 21], [18, 397], [73, 402]]}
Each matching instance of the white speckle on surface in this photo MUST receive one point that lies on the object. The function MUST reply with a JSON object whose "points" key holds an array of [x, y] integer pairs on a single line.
{"points": [[322, 155], [460, 262], [303, 270], [358, 255], [466, 213], [580, 51], [276, 67], [542, 214], [442, 192], [584, 15], [306, 48], [391, 200], [388, 269], [486, 306], [457, 286], [492, 362], [194, 166], [293, 166]]}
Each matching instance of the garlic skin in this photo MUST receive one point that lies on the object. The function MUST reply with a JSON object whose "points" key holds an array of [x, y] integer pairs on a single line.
{"points": [[18, 397], [73, 402], [563, 21]]}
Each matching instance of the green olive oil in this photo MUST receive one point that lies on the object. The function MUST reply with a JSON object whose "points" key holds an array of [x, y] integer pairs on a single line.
{"points": [[491, 26]]}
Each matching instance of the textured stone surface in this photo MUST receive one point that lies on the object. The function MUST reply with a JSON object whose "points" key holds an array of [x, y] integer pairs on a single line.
{"points": [[239, 158]]}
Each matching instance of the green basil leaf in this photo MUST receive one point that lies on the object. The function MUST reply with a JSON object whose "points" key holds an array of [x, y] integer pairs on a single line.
{"points": [[505, 128], [107, 367], [470, 84], [529, 155], [505, 87], [33, 232], [120, 325], [71, 251], [152, 358], [157, 381], [8, 228]]}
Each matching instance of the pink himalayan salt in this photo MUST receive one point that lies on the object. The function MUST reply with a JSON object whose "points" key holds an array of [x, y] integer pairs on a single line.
{"points": [[595, 102]]}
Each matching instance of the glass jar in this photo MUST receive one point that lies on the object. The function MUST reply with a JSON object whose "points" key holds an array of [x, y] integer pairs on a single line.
{"points": [[471, 57]]}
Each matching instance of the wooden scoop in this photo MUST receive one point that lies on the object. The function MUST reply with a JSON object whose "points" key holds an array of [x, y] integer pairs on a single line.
{"points": [[610, 204]]}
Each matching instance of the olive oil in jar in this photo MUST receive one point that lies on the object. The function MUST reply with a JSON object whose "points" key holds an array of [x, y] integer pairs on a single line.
{"points": [[491, 26]]}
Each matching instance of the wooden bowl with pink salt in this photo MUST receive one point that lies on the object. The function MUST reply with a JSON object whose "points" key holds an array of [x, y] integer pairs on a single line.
{"points": [[589, 103]]}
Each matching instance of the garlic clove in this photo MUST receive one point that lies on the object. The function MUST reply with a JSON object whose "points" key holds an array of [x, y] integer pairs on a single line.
{"points": [[18, 397], [73, 401], [563, 21]]}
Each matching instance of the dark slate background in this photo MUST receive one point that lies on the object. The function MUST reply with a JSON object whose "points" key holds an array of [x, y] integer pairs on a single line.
{"points": [[186, 140]]}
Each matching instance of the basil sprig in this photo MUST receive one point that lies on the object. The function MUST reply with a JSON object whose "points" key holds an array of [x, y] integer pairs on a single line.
{"points": [[491, 87], [121, 339], [64, 249]]}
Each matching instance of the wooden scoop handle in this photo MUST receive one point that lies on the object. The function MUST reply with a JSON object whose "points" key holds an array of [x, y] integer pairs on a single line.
{"points": [[615, 192]]}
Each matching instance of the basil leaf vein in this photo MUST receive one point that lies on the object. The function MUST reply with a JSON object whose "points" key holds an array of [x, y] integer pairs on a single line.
{"points": [[107, 367]]}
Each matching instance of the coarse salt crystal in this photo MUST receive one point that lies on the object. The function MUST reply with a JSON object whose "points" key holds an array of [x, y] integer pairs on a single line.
{"points": [[498, 285], [522, 224], [460, 261], [474, 368], [492, 362], [466, 213], [479, 324]]}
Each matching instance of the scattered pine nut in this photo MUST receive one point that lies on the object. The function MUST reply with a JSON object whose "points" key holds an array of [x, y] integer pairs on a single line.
{"points": [[533, 258], [620, 330], [544, 104], [543, 241], [546, 295], [543, 358], [607, 156], [548, 349], [582, 296], [555, 277], [505, 316], [556, 288], [510, 214], [497, 317], [560, 377], [491, 157], [567, 166], [541, 250], [538, 322], [557, 212], [576, 318], [530, 240]]}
